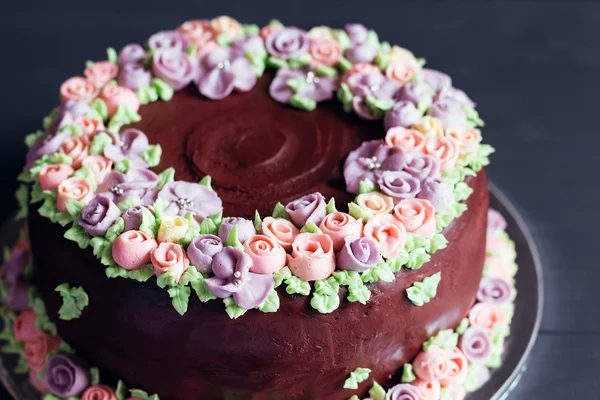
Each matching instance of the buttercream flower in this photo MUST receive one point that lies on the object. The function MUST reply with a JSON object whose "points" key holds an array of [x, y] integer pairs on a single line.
{"points": [[135, 182], [308, 208], [202, 250], [245, 228], [283, 231], [131, 53], [388, 232], [312, 256], [287, 42], [325, 51], [24, 328], [361, 53], [172, 229], [133, 76], [319, 32], [437, 81], [408, 139], [222, 71], [457, 368], [467, 138], [444, 149], [73, 189], [403, 113], [132, 249], [174, 67], [403, 391], [228, 26], [458, 96], [66, 376], [429, 390], [398, 184], [99, 165], [495, 221], [89, 126], [339, 225], [429, 126], [197, 32], [400, 54], [46, 146], [38, 348], [401, 72], [52, 175], [373, 85], [99, 392], [267, 255], [478, 376], [78, 89], [37, 383], [494, 290], [131, 146], [368, 160], [250, 43], [18, 296], [233, 278], [422, 166], [439, 193], [98, 215], [100, 73], [14, 267], [449, 112], [115, 96], [417, 93], [475, 344], [486, 315], [361, 68], [317, 88], [357, 33], [417, 216], [184, 197], [167, 40], [454, 392], [358, 254], [267, 30], [76, 147], [431, 365], [169, 258], [375, 202], [133, 218]]}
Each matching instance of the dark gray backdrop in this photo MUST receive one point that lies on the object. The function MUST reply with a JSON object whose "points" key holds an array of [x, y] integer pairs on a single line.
{"points": [[532, 68]]}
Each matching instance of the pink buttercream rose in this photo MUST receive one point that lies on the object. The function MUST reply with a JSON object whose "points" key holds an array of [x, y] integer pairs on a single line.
{"points": [[361, 68], [325, 51], [267, 255], [132, 249], [99, 165], [400, 71], [283, 231], [375, 202], [458, 367], [467, 139], [37, 383], [497, 267], [115, 96], [73, 189], [99, 392], [52, 175], [196, 31], [429, 390], [169, 257], [444, 149], [408, 139], [89, 126], [486, 316], [268, 29], [338, 225], [76, 147], [417, 216], [100, 73], [38, 348], [78, 89], [227, 26], [431, 365], [24, 326], [388, 232], [312, 256]]}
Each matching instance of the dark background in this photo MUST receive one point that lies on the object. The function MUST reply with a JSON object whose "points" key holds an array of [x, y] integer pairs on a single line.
{"points": [[533, 68]]}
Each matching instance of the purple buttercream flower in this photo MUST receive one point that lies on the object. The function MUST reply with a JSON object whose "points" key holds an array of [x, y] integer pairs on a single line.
{"points": [[404, 114], [398, 184], [450, 112], [437, 81], [475, 344], [308, 208], [222, 70], [317, 88], [132, 144], [45, 146], [364, 85], [133, 218], [135, 182], [173, 66], [131, 53], [416, 93], [495, 221], [74, 108], [245, 228], [167, 40], [18, 296], [186, 197], [437, 192], [287, 43], [133, 76], [13, 268], [358, 33], [98, 215], [369, 159], [358, 254], [361, 53], [422, 166], [202, 250], [403, 391], [250, 43], [494, 290], [66, 376], [233, 277], [457, 95]]}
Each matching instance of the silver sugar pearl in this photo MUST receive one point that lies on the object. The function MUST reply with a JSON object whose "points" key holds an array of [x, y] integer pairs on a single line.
{"points": [[223, 64], [237, 274], [117, 190]]}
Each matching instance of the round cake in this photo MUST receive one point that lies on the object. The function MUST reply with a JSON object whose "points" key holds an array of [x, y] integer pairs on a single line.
{"points": [[231, 211]]}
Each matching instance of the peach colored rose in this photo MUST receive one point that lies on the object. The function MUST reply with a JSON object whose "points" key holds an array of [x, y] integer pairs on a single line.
{"points": [[401, 54], [99, 392], [429, 390], [497, 267], [338, 225], [325, 51], [78, 89], [361, 68], [268, 29], [267, 255], [388, 232], [312, 256], [100, 73], [24, 326], [196, 31], [467, 138], [73, 189], [228, 26], [37, 383], [431, 365], [169, 257], [417, 216], [400, 71], [486, 316], [89, 126], [408, 139], [99, 165], [375, 202], [115, 96], [320, 32], [38, 348], [132, 249], [76, 147], [444, 149], [458, 367], [282, 230], [429, 126], [172, 229], [52, 175]]}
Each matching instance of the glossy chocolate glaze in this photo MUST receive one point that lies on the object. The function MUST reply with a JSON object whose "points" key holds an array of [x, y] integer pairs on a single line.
{"points": [[131, 331]]}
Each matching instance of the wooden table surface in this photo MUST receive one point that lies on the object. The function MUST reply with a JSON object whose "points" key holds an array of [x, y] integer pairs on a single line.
{"points": [[533, 68]]}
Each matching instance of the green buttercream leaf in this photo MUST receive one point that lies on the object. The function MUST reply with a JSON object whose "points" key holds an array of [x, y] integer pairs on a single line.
{"points": [[473, 117], [417, 258], [141, 274], [359, 293], [473, 380], [366, 186], [123, 165], [396, 264], [279, 212], [167, 279], [202, 290], [257, 222], [380, 271], [21, 367], [310, 227], [299, 61], [140, 394], [344, 64], [208, 227], [180, 296], [330, 207], [379, 106], [251, 30], [408, 374], [106, 256], [326, 71], [276, 23], [112, 55], [303, 102], [462, 191], [192, 223], [462, 326], [421, 293], [130, 201], [354, 397], [276, 62], [446, 339], [233, 310], [384, 47], [377, 392], [190, 234], [382, 61], [121, 391], [271, 304], [152, 155], [296, 84], [50, 118], [344, 95], [100, 108], [123, 116], [280, 275], [437, 242], [224, 40], [348, 278], [86, 173], [149, 224], [72, 130], [115, 230], [357, 212], [373, 39], [343, 39], [421, 61], [13, 348], [357, 376], [74, 300], [162, 88], [4, 290], [33, 137], [325, 298], [94, 376], [232, 239], [167, 176], [190, 275], [146, 94], [258, 61], [22, 196], [295, 285], [206, 181], [77, 234], [74, 207]]}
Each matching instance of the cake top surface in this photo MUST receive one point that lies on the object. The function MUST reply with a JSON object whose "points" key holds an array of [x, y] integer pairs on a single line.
{"points": [[366, 151]]}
